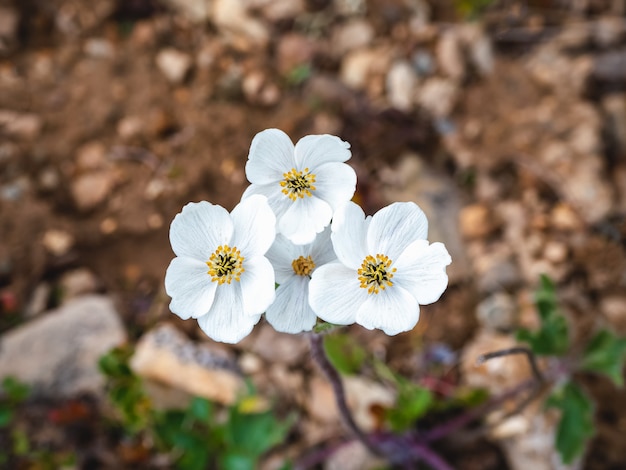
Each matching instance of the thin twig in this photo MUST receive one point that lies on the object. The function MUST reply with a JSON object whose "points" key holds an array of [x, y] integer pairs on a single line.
{"points": [[530, 356], [319, 355]]}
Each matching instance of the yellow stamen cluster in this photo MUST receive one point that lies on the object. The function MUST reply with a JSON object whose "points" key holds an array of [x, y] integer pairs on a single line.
{"points": [[225, 265], [375, 274], [303, 266], [298, 184]]}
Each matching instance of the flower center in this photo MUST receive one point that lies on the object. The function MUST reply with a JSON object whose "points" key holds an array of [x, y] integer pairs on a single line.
{"points": [[225, 265], [303, 266], [375, 274], [298, 184]]}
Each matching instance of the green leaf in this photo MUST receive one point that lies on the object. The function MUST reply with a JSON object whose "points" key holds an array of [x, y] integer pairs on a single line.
{"points": [[552, 338], [6, 416], [15, 390], [576, 425], [201, 409], [344, 353], [238, 461], [255, 433], [412, 403], [605, 354]]}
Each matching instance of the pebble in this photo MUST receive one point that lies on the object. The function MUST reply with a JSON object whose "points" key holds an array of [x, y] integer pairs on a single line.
{"points": [[57, 353], [90, 156], [280, 10], [174, 64], [164, 354], [232, 18], [196, 10], [58, 242], [613, 308], [476, 221], [90, 190], [359, 65], [438, 96], [354, 34], [130, 127], [99, 48], [564, 217], [275, 347], [76, 283], [497, 312], [353, 456], [24, 126], [38, 300], [293, 50], [401, 83], [555, 251], [449, 55], [258, 89], [9, 23]]}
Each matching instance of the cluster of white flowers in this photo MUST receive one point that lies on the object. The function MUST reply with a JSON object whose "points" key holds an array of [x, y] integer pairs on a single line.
{"points": [[295, 226]]}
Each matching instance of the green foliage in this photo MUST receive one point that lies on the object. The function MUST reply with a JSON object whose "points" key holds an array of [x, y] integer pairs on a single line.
{"points": [[576, 425], [13, 393], [344, 353], [605, 354], [299, 74], [472, 9], [200, 436], [552, 337], [125, 389]]}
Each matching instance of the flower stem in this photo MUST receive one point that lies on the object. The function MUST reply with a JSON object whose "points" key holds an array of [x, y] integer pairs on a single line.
{"points": [[319, 355]]}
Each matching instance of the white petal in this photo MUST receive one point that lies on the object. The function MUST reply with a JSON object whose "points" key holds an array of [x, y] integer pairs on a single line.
{"points": [[254, 226], [421, 270], [271, 155], [199, 229], [334, 293], [392, 310], [290, 312], [275, 198], [349, 235], [281, 255], [321, 250], [305, 218], [226, 320], [395, 227], [335, 183], [190, 287], [315, 150], [257, 285]]}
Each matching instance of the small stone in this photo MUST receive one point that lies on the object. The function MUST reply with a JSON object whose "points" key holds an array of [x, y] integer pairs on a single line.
{"points": [[58, 352], [232, 17], [401, 83], [555, 252], [173, 64], [360, 65], [564, 217], [280, 10], [24, 126], [90, 156], [92, 189], [353, 456], [99, 48], [130, 127], [49, 179], [155, 221], [165, 355], [9, 23], [58, 242], [275, 347], [608, 31], [76, 283], [108, 226], [497, 312], [250, 363], [196, 10], [259, 90], [438, 96], [476, 221], [479, 47], [293, 50], [449, 55], [38, 300], [354, 34], [613, 308]]}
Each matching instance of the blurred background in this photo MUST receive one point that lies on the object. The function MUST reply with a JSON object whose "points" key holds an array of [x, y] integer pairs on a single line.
{"points": [[505, 120]]}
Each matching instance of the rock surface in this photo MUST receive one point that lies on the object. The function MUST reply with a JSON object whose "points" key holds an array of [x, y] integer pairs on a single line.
{"points": [[58, 352]]}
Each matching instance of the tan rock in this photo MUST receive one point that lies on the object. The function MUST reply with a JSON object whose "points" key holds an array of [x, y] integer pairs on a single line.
{"points": [[165, 355], [58, 242], [476, 221], [89, 190]]}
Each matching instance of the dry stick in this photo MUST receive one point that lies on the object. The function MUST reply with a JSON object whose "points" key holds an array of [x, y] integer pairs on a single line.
{"points": [[530, 356], [317, 351]]}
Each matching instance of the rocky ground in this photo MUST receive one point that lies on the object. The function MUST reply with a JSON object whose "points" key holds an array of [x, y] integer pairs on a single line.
{"points": [[510, 132]]}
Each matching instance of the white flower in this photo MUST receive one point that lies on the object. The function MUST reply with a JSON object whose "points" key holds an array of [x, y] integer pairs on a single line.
{"points": [[220, 274], [293, 265], [386, 269], [304, 184]]}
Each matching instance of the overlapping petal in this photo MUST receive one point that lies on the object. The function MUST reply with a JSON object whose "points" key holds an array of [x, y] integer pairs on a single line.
{"points": [[392, 310], [253, 222], [199, 229], [191, 289], [304, 219], [226, 321], [257, 285], [271, 155], [395, 227], [290, 312], [335, 183], [281, 255], [421, 270], [334, 293], [314, 150], [349, 235]]}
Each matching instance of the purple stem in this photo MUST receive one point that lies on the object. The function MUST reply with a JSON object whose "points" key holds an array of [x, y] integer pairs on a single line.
{"points": [[319, 355]]}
